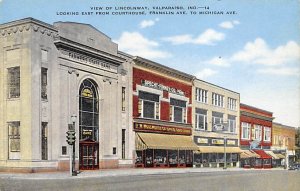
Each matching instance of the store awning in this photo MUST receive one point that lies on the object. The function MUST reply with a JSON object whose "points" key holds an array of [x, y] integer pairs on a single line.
{"points": [[164, 141], [249, 154], [273, 155], [281, 156], [214, 149], [262, 154]]}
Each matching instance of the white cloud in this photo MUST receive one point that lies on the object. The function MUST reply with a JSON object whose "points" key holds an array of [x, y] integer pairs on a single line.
{"points": [[281, 71], [208, 37], [205, 73], [258, 52], [229, 24], [179, 39], [226, 25], [218, 61], [136, 44], [148, 23]]}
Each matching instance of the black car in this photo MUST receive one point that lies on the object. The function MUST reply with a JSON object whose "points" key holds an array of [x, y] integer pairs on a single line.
{"points": [[295, 166]]}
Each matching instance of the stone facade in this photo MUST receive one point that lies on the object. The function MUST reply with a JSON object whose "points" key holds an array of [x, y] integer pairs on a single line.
{"points": [[68, 54]]}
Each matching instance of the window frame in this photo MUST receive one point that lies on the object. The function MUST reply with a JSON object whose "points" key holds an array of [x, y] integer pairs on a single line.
{"points": [[248, 130], [267, 129], [197, 116], [13, 82], [156, 109], [201, 95]]}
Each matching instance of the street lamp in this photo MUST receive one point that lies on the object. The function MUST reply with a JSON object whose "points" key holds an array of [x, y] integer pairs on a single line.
{"points": [[73, 119], [225, 158]]}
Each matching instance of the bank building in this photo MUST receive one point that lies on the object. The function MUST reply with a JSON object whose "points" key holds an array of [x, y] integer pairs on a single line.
{"points": [[55, 75]]}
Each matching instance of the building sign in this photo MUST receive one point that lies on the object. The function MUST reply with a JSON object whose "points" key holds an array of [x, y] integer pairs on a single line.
{"points": [[202, 141], [217, 141], [230, 142], [162, 129], [78, 57], [159, 86]]}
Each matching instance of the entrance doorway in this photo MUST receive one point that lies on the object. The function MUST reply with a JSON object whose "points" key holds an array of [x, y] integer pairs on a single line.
{"points": [[88, 126]]}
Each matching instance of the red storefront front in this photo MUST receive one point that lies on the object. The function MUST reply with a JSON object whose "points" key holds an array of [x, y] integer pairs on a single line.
{"points": [[162, 115], [256, 136]]}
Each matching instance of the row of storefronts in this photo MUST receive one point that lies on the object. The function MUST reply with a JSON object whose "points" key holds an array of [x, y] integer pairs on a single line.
{"points": [[127, 111]]}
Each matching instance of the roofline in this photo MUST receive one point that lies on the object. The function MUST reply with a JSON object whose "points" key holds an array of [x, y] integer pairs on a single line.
{"points": [[242, 104], [144, 60], [216, 85], [285, 126], [71, 22], [27, 20]]}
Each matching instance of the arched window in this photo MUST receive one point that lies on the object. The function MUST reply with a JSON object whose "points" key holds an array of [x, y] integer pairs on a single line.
{"points": [[88, 111]]}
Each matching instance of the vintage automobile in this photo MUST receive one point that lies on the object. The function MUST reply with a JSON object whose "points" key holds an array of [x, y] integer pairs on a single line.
{"points": [[295, 166]]}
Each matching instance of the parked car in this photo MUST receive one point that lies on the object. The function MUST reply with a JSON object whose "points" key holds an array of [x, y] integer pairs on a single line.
{"points": [[295, 166]]}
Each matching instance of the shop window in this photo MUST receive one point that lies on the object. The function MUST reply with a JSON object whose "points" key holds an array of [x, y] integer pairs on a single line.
{"points": [[44, 83], [234, 157], [213, 157], [14, 139], [44, 141], [13, 82], [173, 157], [160, 158], [201, 119], [149, 158], [246, 127], [267, 134], [177, 110], [149, 105]]}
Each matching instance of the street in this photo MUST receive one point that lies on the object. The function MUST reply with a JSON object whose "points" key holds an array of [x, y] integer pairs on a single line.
{"points": [[238, 180]]}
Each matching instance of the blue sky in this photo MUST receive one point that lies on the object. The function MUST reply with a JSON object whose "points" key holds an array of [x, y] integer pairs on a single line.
{"points": [[255, 52]]}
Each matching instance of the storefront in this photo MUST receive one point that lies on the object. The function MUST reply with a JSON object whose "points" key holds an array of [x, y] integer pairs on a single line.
{"points": [[214, 156], [248, 158], [162, 115], [155, 149], [263, 161]]}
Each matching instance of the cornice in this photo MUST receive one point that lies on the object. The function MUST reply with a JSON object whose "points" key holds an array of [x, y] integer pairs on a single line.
{"points": [[67, 44], [27, 24], [148, 64]]}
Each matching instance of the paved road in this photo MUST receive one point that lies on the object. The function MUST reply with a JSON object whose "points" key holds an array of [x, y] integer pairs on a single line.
{"points": [[212, 181]]}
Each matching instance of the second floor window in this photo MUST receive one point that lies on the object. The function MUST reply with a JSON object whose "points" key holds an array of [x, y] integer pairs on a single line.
{"points": [[201, 119], [246, 127], [257, 132], [177, 110], [267, 134], [13, 82], [201, 95], [148, 105], [231, 123]]}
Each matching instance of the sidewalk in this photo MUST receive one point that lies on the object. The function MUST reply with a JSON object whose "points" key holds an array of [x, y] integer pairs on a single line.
{"points": [[122, 172]]}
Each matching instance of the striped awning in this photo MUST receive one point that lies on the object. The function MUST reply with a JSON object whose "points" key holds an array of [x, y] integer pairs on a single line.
{"points": [[273, 155], [164, 141], [249, 154], [281, 156], [214, 149]]}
